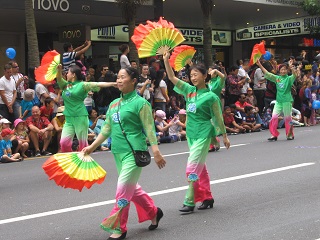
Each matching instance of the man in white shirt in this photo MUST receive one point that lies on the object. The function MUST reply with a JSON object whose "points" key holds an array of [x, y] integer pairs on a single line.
{"points": [[8, 93], [20, 81], [243, 75]]}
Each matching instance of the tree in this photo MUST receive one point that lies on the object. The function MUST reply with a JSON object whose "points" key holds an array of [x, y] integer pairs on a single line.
{"points": [[206, 7], [32, 39], [129, 12], [312, 7]]}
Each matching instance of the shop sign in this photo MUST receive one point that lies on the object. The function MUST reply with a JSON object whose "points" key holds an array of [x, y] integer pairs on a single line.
{"points": [[291, 27], [78, 33], [192, 36], [285, 3], [51, 5]]}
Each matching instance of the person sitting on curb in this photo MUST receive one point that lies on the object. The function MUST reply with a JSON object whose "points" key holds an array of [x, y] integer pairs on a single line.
{"points": [[40, 130], [6, 155]]}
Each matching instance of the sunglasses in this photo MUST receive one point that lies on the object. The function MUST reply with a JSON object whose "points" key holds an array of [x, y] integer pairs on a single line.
{"points": [[105, 69], [15, 66]]}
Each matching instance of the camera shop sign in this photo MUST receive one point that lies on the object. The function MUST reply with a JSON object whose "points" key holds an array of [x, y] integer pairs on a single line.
{"points": [[277, 29], [192, 36]]}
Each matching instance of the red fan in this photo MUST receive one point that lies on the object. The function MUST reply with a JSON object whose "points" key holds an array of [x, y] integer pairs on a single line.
{"points": [[181, 56], [257, 51], [74, 170], [155, 38], [47, 71]]}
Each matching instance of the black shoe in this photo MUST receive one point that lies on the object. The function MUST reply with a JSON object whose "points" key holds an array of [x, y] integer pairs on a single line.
{"points": [[186, 209], [206, 203], [159, 216], [123, 236], [46, 153], [272, 139], [38, 154], [290, 138]]}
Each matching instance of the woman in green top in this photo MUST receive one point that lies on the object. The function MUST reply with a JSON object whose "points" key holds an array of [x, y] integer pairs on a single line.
{"points": [[284, 98], [135, 116], [75, 112], [203, 109]]}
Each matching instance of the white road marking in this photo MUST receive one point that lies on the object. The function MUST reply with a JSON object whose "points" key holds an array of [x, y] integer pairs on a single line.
{"points": [[92, 205], [181, 153]]}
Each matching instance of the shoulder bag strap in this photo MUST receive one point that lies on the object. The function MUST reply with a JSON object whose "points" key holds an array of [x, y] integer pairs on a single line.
{"points": [[124, 134]]}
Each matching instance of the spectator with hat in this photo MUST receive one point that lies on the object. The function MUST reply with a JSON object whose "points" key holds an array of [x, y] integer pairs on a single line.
{"points": [[21, 135], [6, 155], [58, 122], [162, 127], [40, 131], [26, 104]]}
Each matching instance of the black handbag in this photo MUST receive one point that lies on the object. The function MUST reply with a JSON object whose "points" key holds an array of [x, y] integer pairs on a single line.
{"points": [[142, 158]]}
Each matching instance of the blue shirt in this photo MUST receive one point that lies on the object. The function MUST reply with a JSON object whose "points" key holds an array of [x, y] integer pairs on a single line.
{"points": [[4, 145], [26, 105]]}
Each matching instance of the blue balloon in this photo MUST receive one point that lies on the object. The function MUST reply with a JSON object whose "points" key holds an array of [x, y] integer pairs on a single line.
{"points": [[316, 104], [267, 56], [11, 53]]}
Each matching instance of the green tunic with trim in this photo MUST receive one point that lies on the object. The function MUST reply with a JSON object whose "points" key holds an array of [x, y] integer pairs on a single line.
{"points": [[73, 95], [204, 116], [135, 114], [283, 84], [216, 84]]}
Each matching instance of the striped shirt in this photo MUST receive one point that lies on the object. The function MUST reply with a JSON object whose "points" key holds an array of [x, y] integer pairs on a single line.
{"points": [[68, 59]]}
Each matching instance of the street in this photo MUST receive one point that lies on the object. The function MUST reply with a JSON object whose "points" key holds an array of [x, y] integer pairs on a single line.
{"points": [[262, 190]]}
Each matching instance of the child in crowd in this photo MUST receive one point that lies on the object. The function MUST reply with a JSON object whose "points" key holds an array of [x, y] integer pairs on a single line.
{"points": [[162, 127], [56, 96], [26, 104], [231, 125], [6, 155], [175, 129], [20, 133], [249, 120], [58, 121], [47, 109]]}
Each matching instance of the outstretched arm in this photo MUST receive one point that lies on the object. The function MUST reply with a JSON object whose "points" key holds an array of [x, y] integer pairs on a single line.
{"points": [[169, 70]]}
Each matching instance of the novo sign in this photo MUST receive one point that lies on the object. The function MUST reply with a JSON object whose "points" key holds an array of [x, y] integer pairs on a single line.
{"points": [[51, 5], [192, 36], [296, 26], [74, 33]]}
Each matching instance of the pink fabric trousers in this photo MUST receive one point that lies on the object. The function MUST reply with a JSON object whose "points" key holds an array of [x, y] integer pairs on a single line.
{"points": [[196, 165], [286, 109], [128, 190]]}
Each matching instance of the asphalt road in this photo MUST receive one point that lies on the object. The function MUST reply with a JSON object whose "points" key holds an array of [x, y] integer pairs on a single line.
{"points": [[262, 190]]}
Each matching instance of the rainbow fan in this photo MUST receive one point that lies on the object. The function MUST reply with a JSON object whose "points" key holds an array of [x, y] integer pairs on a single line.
{"points": [[181, 56], [155, 38], [74, 170], [257, 51], [47, 71]]}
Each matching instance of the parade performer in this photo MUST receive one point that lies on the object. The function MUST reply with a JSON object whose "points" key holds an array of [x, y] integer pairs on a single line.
{"points": [[135, 116], [203, 107], [216, 84], [283, 98], [75, 112]]}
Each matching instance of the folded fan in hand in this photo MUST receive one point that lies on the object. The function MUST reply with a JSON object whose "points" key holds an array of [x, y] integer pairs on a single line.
{"points": [[47, 71], [155, 38], [74, 170], [180, 56]]}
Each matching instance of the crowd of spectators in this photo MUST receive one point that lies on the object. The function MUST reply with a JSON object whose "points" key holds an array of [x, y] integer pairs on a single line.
{"points": [[32, 113]]}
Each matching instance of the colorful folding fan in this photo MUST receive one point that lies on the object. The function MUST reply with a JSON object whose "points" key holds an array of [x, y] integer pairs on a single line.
{"points": [[257, 51], [180, 56], [74, 170], [155, 38], [47, 71]]}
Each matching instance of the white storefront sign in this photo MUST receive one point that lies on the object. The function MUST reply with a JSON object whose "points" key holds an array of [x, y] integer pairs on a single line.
{"points": [[49, 5], [192, 36], [285, 3], [296, 26]]}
